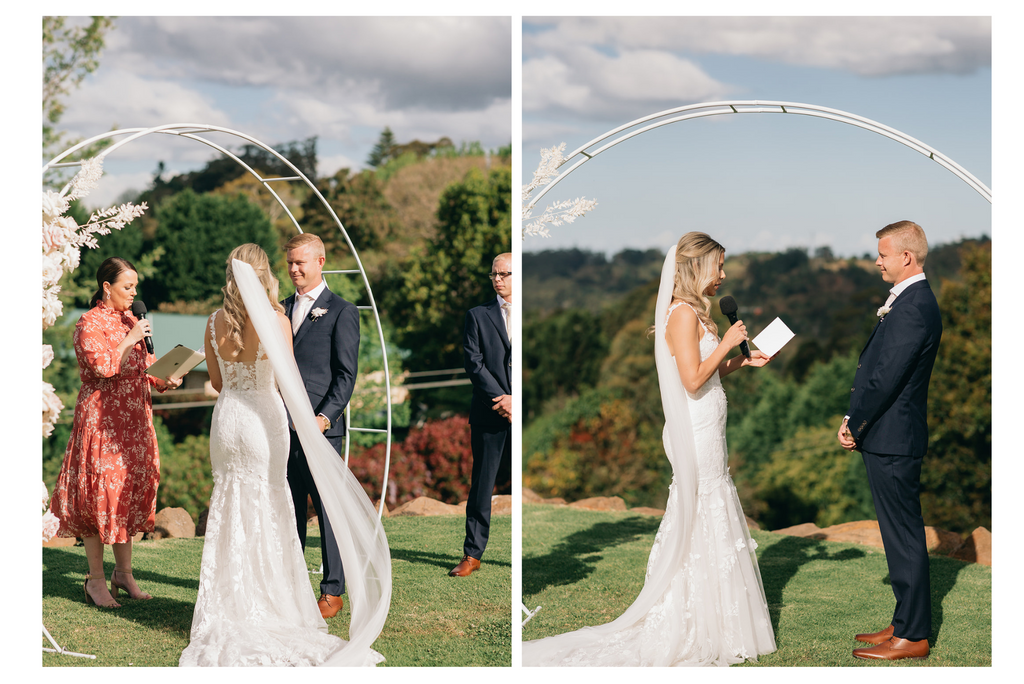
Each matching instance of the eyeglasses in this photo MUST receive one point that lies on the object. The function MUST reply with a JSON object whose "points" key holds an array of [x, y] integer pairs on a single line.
{"points": [[500, 274]]}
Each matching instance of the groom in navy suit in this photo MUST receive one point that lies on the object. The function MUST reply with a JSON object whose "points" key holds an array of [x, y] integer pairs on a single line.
{"points": [[487, 350], [325, 339], [887, 423]]}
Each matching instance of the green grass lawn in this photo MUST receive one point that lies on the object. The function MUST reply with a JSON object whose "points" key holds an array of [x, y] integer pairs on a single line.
{"points": [[585, 568], [435, 620]]}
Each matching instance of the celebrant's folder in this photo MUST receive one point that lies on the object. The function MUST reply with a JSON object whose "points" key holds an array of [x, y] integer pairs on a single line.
{"points": [[176, 363]]}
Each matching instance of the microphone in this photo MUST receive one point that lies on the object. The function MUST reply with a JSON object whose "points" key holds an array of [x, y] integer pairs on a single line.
{"points": [[139, 310], [729, 308]]}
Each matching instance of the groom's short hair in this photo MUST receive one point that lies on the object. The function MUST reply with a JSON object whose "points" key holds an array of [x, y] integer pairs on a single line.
{"points": [[907, 236], [504, 256], [303, 239]]}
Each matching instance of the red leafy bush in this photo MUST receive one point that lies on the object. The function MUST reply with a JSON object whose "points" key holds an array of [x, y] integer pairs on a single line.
{"points": [[435, 460]]}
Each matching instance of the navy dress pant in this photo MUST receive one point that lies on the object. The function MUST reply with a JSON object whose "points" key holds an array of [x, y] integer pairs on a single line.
{"points": [[300, 480], [492, 451], [895, 488]]}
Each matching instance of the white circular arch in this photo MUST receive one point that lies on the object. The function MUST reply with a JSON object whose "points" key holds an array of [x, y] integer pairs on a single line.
{"points": [[195, 132], [695, 111]]}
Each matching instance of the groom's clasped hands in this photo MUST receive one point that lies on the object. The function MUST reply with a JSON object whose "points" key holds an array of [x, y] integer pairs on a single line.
{"points": [[503, 405]]}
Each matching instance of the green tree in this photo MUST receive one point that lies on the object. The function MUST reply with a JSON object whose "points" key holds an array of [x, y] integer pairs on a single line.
{"points": [[810, 478], [197, 233], [764, 427], [956, 478], [427, 298], [359, 203], [221, 170], [381, 152], [70, 53], [564, 355]]}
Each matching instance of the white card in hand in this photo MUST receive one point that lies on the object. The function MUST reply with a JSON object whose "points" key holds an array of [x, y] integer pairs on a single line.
{"points": [[773, 338]]}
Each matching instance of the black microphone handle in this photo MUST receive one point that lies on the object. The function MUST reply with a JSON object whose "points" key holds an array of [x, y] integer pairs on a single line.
{"points": [[149, 340], [744, 347]]}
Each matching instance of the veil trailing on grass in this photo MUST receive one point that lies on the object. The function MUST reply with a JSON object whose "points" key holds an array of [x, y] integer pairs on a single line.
{"points": [[681, 451], [361, 539]]}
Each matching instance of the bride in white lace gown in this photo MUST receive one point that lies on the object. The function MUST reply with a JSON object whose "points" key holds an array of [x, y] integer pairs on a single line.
{"points": [[702, 602], [256, 605]]}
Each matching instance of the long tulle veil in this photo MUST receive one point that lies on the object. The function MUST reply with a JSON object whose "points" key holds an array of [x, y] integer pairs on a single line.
{"points": [[681, 451], [361, 539]]}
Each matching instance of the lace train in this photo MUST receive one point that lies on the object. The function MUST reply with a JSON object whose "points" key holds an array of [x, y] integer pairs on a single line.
{"points": [[255, 605]]}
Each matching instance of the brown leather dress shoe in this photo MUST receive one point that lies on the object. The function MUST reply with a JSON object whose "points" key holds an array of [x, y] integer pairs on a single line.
{"points": [[894, 649], [466, 567], [329, 605], [875, 638]]}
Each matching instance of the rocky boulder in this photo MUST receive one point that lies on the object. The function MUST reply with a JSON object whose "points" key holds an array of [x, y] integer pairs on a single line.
{"points": [[977, 548], [501, 504], [644, 510], [600, 503], [426, 506], [173, 523]]}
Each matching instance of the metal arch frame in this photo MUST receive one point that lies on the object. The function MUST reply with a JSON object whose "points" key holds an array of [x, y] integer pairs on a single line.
{"points": [[703, 109], [192, 132]]}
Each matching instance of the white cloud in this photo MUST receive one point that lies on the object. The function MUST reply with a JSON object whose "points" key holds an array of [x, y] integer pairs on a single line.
{"points": [[585, 81], [868, 46], [288, 78], [444, 63], [328, 165], [115, 98], [113, 185]]}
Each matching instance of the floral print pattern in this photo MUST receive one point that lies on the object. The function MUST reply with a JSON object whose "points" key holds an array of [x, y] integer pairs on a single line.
{"points": [[108, 482]]}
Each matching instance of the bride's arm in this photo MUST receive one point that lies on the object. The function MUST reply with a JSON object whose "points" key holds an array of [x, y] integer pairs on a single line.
{"points": [[212, 367], [286, 329], [683, 334], [757, 359]]}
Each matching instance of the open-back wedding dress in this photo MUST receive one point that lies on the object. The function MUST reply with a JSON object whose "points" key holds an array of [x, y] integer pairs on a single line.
{"points": [[256, 605], [702, 602]]}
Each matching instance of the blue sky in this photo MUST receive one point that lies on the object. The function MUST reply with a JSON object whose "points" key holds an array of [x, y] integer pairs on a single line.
{"points": [[765, 181], [287, 78]]}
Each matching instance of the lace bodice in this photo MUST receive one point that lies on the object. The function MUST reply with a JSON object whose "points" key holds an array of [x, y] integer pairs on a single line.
{"points": [[257, 376], [708, 344]]}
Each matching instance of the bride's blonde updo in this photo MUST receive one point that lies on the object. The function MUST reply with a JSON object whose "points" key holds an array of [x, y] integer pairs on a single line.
{"points": [[698, 259], [235, 314]]}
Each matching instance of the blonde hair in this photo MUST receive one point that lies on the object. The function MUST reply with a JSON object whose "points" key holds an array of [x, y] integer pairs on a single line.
{"points": [[303, 239], [698, 263], [907, 236], [504, 256], [235, 315]]}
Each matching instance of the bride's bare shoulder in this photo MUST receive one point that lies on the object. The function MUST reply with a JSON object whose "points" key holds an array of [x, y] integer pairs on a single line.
{"points": [[286, 325], [681, 312]]}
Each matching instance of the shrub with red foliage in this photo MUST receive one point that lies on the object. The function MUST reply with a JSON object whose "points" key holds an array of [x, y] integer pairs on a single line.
{"points": [[435, 460]]}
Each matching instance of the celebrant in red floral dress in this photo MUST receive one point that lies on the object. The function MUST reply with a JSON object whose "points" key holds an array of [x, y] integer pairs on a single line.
{"points": [[106, 492]]}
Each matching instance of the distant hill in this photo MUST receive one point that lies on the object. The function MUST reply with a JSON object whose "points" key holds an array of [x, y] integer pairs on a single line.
{"points": [[580, 279]]}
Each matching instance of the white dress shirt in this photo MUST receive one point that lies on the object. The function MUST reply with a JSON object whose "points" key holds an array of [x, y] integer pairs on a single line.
{"points": [[303, 303], [506, 315], [903, 285]]}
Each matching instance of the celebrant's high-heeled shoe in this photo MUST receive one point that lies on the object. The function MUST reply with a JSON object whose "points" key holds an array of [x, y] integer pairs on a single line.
{"points": [[115, 585], [112, 603]]}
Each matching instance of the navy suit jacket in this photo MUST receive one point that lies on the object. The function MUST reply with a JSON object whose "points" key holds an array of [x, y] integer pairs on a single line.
{"points": [[327, 353], [889, 398], [488, 361]]}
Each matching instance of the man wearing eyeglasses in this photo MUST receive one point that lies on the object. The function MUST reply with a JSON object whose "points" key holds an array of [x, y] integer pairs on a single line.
{"points": [[487, 344]]}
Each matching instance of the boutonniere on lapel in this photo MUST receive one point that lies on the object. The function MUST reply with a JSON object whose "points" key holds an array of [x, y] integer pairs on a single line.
{"points": [[883, 310], [316, 313]]}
